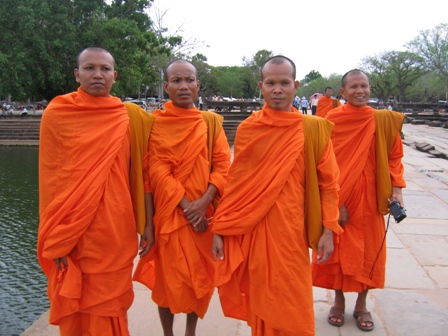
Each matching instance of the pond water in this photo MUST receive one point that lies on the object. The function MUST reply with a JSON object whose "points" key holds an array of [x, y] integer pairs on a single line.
{"points": [[23, 296]]}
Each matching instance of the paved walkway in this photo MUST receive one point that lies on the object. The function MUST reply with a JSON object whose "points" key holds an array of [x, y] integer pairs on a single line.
{"points": [[415, 299]]}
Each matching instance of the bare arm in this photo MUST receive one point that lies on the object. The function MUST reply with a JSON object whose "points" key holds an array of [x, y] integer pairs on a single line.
{"points": [[325, 246], [147, 239]]}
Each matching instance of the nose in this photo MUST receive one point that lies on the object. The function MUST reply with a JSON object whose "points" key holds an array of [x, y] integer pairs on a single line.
{"points": [[97, 73]]}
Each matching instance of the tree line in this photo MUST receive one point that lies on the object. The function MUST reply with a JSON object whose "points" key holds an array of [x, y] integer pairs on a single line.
{"points": [[41, 39]]}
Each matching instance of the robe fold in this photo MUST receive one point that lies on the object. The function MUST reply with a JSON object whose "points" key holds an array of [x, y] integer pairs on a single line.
{"points": [[264, 218], [180, 268], [86, 211], [368, 150], [326, 104]]}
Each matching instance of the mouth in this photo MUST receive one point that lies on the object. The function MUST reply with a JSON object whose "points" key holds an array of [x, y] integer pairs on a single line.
{"points": [[277, 99], [96, 84]]}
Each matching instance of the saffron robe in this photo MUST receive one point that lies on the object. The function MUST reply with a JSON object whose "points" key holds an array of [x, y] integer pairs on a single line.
{"points": [[326, 104], [265, 220], [86, 211], [369, 150], [180, 268]]}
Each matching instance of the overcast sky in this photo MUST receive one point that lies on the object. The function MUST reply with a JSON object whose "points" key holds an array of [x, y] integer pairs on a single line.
{"points": [[325, 36]]}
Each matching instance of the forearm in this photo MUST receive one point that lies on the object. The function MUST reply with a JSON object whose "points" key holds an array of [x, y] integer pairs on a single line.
{"points": [[149, 208]]}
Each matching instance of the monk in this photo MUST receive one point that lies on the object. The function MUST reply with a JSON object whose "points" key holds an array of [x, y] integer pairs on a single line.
{"points": [[326, 103], [189, 158], [281, 198], [91, 197], [368, 150]]}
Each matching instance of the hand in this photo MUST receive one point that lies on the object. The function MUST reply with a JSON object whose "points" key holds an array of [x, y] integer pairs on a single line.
{"points": [[61, 262], [146, 240], [194, 212], [217, 247], [202, 226], [325, 247], [397, 196], [343, 216]]}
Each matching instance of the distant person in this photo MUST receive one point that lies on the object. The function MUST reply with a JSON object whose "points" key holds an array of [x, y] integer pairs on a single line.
{"points": [[368, 149], [189, 157], [281, 198], [24, 112], [342, 100], [326, 103], [91, 200], [313, 103], [296, 102], [304, 105], [200, 103]]}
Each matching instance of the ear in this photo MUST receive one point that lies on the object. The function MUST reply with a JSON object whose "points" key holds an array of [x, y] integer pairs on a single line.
{"points": [[296, 84], [77, 75], [165, 86], [341, 91], [260, 85], [115, 75]]}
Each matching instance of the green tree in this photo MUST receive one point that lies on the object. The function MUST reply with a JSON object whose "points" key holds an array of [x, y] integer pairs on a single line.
{"points": [[41, 39], [251, 72], [393, 72], [312, 75], [432, 46], [229, 82]]}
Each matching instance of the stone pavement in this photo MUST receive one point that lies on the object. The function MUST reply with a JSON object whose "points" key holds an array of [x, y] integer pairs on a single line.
{"points": [[414, 301]]}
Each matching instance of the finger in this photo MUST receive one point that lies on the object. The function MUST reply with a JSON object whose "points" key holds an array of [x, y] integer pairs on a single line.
{"points": [[221, 254]]}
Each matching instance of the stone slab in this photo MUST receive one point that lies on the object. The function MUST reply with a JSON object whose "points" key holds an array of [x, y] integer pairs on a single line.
{"points": [[403, 271], [411, 314], [428, 250], [439, 274]]}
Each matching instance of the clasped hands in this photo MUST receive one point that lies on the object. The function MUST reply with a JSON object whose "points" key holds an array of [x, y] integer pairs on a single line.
{"points": [[194, 212]]}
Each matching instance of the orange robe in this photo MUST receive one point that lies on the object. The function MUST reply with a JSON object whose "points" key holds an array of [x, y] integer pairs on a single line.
{"points": [[180, 268], [265, 277], [369, 150], [326, 104], [86, 213]]}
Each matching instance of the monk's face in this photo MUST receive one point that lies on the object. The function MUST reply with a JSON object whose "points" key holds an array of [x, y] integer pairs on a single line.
{"points": [[328, 93], [95, 72], [356, 89], [278, 86], [182, 85]]}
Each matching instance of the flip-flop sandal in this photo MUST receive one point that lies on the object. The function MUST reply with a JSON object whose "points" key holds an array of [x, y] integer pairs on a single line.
{"points": [[336, 313], [363, 317]]}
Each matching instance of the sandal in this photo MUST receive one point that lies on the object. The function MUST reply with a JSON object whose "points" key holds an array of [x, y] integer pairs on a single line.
{"points": [[336, 313], [364, 317]]}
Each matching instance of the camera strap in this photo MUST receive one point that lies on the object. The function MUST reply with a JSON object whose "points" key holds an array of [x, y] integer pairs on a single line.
{"points": [[382, 244]]}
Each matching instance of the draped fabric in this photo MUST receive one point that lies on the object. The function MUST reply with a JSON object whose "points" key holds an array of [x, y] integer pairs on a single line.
{"points": [[86, 211], [265, 276], [365, 142], [180, 268], [326, 104]]}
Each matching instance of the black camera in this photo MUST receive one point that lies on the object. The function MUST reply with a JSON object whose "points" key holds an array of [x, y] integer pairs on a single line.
{"points": [[397, 211]]}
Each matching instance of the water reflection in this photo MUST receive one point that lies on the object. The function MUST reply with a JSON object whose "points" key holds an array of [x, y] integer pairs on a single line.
{"points": [[23, 285]]}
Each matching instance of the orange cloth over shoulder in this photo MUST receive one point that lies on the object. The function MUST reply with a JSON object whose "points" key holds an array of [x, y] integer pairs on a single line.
{"points": [[180, 268], [85, 208], [368, 150], [326, 104], [265, 277]]}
